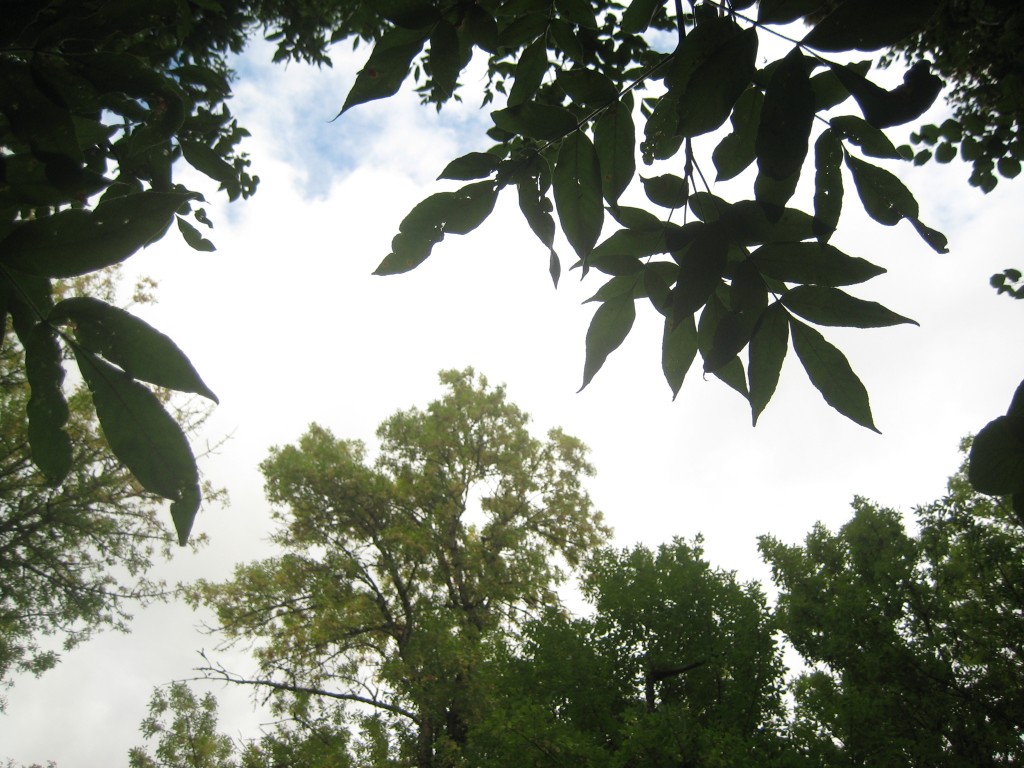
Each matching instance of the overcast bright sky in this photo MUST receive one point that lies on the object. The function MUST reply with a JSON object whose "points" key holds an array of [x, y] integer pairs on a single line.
{"points": [[286, 323]]}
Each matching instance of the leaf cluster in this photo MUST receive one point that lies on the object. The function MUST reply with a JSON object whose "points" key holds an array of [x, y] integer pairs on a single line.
{"points": [[587, 89]]}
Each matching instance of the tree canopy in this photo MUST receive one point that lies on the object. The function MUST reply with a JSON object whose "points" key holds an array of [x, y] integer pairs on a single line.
{"points": [[395, 575]]}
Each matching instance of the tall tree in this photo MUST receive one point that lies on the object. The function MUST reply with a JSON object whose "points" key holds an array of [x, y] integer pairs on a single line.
{"points": [[396, 574], [677, 665], [190, 739], [914, 640], [73, 558]]}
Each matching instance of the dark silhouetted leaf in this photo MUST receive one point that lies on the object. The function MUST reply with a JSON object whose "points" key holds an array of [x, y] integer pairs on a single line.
{"points": [[47, 409], [812, 264], [867, 25], [194, 237], [661, 134], [831, 374], [830, 306], [883, 108], [615, 142], [870, 139], [710, 319], [73, 242], [637, 17], [730, 337], [828, 185], [785, 11], [537, 208], [580, 12], [786, 117], [996, 463], [588, 87], [678, 351], [536, 121], [886, 199], [578, 193], [768, 346], [533, 63], [736, 152], [388, 66], [701, 265], [144, 437], [133, 344], [475, 165], [667, 190], [609, 328]]}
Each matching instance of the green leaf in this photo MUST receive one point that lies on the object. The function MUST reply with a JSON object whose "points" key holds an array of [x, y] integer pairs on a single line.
{"points": [[411, 14], [701, 266], [678, 351], [194, 237], [537, 208], [786, 118], [389, 64], [904, 103], [73, 242], [730, 336], [661, 134], [870, 139], [637, 17], [536, 121], [667, 190], [615, 142], [133, 344], [469, 207], [886, 199], [588, 87], [47, 408], [813, 264], [144, 437], [736, 152], [710, 319], [996, 463], [867, 25], [828, 185], [768, 346], [714, 65], [578, 192], [444, 59], [609, 328], [830, 306], [533, 63], [831, 374], [579, 12], [475, 165], [636, 244], [208, 161]]}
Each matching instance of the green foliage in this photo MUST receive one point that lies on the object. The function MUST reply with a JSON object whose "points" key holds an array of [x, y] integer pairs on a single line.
{"points": [[913, 641], [73, 557], [396, 574], [574, 72], [190, 739]]}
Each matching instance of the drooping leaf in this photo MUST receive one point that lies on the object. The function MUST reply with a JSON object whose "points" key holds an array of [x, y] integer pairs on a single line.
{"points": [[867, 25], [131, 343], [410, 14], [678, 351], [828, 185], [730, 336], [882, 108], [389, 64], [812, 264], [144, 437], [608, 329], [470, 207], [533, 63], [536, 121], [537, 207], [886, 199], [735, 153], [194, 237], [208, 161], [444, 58], [588, 87], [47, 408], [831, 374], [667, 190], [73, 242], [615, 142], [731, 373], [830, 306], [661, 134], [580, 12], [767, 351], [578, 193], [786, 117]]}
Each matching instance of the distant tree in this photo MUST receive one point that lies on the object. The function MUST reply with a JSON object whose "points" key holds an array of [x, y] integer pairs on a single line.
{"points": [[397, 574], [73, 558], [185, 727], [677, 665], [913, 641]]}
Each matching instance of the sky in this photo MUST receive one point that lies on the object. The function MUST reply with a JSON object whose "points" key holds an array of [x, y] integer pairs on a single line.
{"points": [[286, 323]]}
